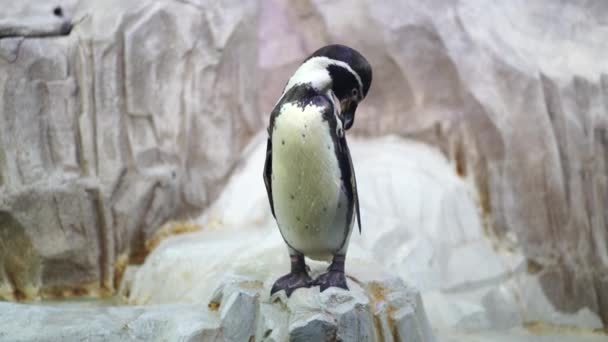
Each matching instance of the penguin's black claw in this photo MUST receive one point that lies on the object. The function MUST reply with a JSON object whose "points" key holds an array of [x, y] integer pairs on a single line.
{"points": [[290, 282], [331, 279]]}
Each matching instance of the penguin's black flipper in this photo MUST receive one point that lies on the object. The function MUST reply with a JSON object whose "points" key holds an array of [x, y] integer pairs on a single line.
{"points": [[268, 174], [353, 180]]}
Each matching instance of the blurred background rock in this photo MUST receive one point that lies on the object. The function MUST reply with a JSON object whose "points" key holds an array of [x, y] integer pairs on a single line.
{"points": [[140, 115]]}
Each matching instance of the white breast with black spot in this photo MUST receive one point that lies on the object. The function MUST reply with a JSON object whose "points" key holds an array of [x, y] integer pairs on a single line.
{"points": [[309, 201]]}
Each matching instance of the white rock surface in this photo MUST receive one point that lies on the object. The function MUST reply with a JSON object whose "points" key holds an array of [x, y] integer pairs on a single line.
{"points": [[133, 119], [513, 92], [229, 267], [419, 222], [243, 254], [480, 80], [522, 335], [241, 310], [45, 323], [377, 307]]}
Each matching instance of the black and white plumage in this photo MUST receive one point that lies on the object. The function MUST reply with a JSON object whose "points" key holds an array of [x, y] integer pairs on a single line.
{"points": [[308, 171]]}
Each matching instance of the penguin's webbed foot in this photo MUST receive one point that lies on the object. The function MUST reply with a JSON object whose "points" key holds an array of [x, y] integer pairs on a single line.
{"points": [[332, 278], [298, 277], [290, 282]]}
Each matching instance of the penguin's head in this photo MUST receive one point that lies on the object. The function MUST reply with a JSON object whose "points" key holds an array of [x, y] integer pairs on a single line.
{"points": [[351, 77]]}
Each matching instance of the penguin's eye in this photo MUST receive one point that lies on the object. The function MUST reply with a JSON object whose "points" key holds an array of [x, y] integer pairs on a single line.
{"points": [[355, 92]]}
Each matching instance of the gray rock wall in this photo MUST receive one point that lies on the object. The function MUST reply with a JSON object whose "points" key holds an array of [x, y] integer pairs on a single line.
{"points": [[515, 94], [138, 115], [135, 117]]}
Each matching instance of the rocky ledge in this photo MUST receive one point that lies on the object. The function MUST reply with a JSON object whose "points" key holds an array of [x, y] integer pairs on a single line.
{"points": [[239, 310], [371, 311], [77, 322]]}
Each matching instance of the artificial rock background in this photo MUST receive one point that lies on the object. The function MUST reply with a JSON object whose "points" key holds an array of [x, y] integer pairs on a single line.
{"points": [[514, 93], [140, 113], [133, 119]]}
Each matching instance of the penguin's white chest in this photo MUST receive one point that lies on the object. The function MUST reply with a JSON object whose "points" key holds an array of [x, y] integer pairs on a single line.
{"points": [[309, 202]]}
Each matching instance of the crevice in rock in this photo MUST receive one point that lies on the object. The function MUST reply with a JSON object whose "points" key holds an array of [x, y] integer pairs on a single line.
{"points": [[459, 158], [127, 154], [103, 235], [555, 113], [138, 249], [119, 186], [84, 95], [94, 111], [36, 27], [13, 283], [20, 262]]}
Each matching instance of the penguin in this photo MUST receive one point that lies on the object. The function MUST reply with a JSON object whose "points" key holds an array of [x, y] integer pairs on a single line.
{"points": [[308, 172]]}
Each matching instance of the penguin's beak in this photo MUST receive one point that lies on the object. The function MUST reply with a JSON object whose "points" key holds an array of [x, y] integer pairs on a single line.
{"points": [[348, 114]]}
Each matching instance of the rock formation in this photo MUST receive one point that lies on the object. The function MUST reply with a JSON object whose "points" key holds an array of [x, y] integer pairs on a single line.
{"points": [[140, 112], [233, 261], [134, 118], [240, 311], [515, 94]]}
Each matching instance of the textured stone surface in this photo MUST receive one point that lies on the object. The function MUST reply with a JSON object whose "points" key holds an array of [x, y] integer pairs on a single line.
{"points": [[233, 262], [46, 323], [239, 311], [139, 114], [420, 223], [134, 118], [378, 307], [229, 266], [368, 312], [189, 323], [523, 335], [513, 93]]}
